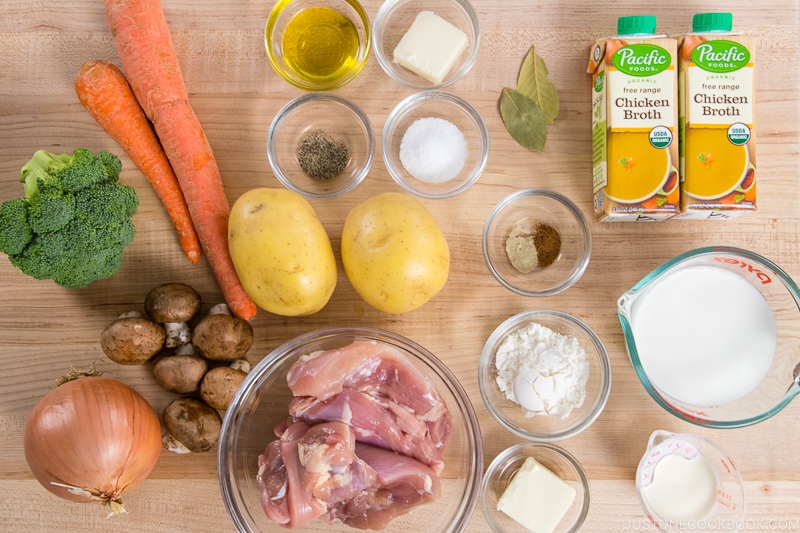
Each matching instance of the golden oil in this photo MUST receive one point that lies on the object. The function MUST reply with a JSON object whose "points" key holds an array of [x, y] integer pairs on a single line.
{"points": [[320, 45]]}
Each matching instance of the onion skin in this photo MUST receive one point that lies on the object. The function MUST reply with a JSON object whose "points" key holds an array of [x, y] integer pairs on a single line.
{"points": [[95, 435]]}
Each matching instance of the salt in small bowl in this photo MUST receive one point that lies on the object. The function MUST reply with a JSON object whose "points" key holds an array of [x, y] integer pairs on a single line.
{"points": [[453, 109]]}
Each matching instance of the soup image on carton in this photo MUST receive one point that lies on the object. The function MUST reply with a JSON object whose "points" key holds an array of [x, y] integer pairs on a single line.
{"points": [[634, 123], [716, 69]]}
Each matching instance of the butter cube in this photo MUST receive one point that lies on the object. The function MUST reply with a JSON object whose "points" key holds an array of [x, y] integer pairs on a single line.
{"points": [[430, 47], [536, 498]]}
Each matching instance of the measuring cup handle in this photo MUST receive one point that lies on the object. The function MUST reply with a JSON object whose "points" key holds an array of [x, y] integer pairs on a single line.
{"points": [[657, 437]]}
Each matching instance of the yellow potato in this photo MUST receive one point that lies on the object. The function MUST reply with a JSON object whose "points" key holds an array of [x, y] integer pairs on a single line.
{"points": [[281, 252], [394, 253]]}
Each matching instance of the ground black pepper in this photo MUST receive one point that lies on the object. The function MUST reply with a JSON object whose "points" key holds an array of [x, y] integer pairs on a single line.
{"points": [[321, 156], [548, 244]]}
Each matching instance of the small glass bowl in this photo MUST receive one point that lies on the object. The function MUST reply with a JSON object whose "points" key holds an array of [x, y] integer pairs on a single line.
{"points": [[546, 428], [280, 16], [443, 105], [341, 120], [531, 207], [396, 16], [262, 401], [560, 462]]}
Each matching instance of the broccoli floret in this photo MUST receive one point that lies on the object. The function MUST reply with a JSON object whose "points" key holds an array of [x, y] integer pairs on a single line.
{"points": [[111, 163], [15, 230], [74, 220], [106, 204], [52, 212]]}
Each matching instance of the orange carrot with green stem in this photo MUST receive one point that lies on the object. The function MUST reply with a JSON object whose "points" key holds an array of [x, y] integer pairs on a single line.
{"points": [[105, 93], [148, 57]]}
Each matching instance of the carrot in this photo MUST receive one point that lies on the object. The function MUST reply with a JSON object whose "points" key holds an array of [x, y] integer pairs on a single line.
{"points": [[105, 93], [144, 44]]}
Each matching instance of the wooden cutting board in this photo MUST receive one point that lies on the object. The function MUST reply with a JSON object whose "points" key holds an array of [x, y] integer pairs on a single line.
{"points": [[45, 328]]}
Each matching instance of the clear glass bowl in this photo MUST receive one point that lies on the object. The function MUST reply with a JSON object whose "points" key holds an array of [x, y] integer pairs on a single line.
{"points": [[447, 106], [533, 206], [512, 416], [396, 16], [781, 382], [341, 120], [558, 461], [280, 16], [262, 401]]}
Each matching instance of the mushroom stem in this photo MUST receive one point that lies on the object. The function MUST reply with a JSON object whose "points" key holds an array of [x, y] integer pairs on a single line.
{"points": [[178, 334], [171, 444], [241, 364], [220, 309], [185, 349]]}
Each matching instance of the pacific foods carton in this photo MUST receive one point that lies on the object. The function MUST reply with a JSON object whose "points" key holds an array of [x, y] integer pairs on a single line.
{"points": [[717, 115], [634, 123]]}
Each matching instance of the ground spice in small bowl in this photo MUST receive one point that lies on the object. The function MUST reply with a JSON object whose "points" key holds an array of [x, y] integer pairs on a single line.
{"points": [[548, 244], [322, 156], [530, 246]]}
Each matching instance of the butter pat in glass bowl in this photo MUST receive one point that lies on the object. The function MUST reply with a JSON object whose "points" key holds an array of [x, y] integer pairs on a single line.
{"points": [[566, 474], [527, 261], [317, 45], [340, 123], [526, 340], [414, 150], [434, 42]]}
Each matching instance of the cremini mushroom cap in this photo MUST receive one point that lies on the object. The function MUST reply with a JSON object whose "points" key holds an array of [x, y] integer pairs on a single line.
{"points": [[172, 302]]}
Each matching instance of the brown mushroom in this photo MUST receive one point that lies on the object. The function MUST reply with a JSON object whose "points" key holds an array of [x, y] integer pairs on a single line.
{"points": [[132, 340], [192, 423], [180, 373], [219, 385], [173, 304], [222, 337]]}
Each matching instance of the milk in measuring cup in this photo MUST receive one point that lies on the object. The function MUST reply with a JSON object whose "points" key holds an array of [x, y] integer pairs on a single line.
{"points": [[704, 335]]}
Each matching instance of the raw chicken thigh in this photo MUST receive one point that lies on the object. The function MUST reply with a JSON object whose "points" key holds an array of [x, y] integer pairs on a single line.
{"points": [[364, 443]]}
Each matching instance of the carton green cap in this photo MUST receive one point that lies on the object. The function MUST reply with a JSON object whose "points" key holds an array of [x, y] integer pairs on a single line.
{"points": [[636, 25], [712, 22]]}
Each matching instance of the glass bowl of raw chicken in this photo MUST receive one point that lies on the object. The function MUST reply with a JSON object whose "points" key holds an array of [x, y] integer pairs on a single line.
{"points": [[350, 428]]}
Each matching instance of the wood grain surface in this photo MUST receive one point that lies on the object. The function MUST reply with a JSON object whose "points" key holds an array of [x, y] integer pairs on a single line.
{"points": [[45, 329]]}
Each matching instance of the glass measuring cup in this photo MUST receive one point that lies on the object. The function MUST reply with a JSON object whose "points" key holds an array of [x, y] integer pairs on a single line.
{"points": [[779, 382], [726, 499]]}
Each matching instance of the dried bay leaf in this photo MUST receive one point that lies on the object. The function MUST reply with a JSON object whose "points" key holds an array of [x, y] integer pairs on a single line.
{"points": [[523, 119], [533, 83]]}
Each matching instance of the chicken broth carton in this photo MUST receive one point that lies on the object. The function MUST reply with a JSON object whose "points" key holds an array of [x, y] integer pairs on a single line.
{"points": [[717, 119], [634, 123]]}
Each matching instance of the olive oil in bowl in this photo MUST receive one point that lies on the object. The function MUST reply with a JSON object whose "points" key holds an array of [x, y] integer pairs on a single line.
{"points": [[317, 45]]}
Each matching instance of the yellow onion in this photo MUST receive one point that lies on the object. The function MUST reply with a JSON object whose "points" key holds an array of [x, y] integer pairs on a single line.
{"points": [[92, 439]]}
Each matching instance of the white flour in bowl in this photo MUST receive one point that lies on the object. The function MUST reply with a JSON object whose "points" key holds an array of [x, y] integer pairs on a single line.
{"points": [[543, 371]]}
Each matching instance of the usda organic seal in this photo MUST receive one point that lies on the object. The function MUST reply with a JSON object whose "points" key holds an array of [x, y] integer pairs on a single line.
{"points": [[660, 137]]}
